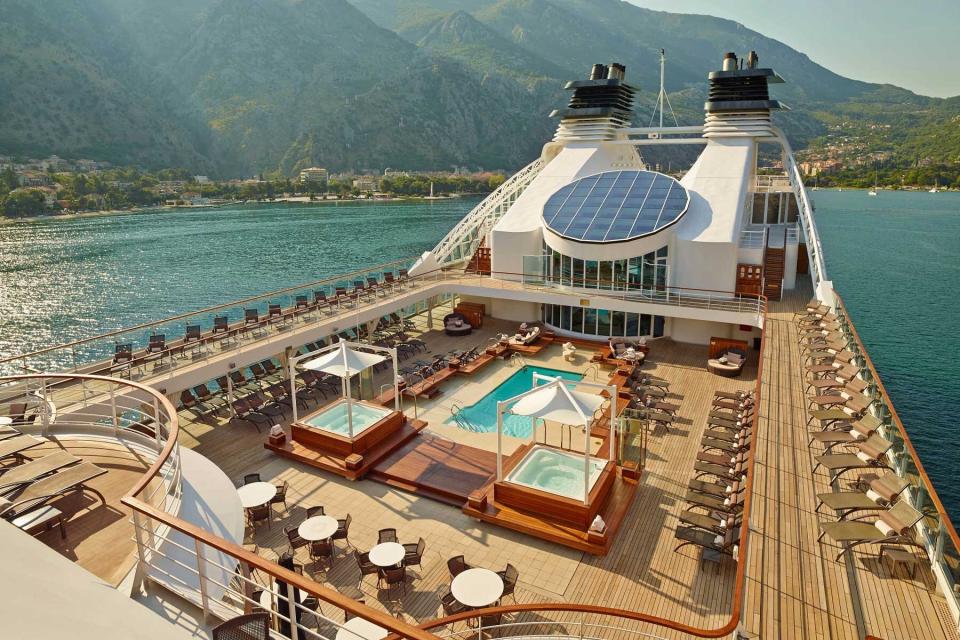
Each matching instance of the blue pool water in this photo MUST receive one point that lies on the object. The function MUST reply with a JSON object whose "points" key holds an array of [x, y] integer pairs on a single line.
{"points": [[483, 414]]}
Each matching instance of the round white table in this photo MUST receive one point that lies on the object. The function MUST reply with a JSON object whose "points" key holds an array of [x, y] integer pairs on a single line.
{"points": [[477, 587], [360, 629], [256, 494], [266, 598], [5, 421], [317, 528], [387, 554]]}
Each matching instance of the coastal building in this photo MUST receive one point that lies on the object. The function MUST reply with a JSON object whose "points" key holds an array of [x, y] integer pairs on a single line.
{"points": [[170, 187], [366, 183], [314, 174], [608, 404]]}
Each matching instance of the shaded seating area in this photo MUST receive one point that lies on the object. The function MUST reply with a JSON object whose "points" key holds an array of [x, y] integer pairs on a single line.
{"points": [[729, 364]]}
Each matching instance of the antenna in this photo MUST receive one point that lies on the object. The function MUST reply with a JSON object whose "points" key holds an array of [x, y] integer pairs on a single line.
{"points": [[662, 97]]}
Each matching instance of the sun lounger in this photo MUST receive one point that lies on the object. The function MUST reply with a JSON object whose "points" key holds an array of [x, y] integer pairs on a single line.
{"points": [[15, 446], [893, 525], [716, 489], [880, 491], [74, 478], [870, 453], [29, 471], [717, 523], [846, 433], [730, 505], [6, 431], [722, 544]]}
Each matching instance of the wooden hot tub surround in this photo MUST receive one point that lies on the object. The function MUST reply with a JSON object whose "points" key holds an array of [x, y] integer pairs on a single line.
{"points": [[318, 438]]}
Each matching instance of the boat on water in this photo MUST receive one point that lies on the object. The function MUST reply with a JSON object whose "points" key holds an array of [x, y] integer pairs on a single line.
{"points": [[609, 403], [873, 192]]}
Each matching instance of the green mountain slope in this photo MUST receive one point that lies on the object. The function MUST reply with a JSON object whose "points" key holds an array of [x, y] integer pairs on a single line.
{"points": [[236, 87]]}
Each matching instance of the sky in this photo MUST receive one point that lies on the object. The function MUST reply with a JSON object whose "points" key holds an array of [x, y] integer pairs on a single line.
{"points": [[910, 44]]}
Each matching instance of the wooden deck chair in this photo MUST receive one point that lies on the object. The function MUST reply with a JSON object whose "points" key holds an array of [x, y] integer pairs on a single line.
{"points": [[895, 526]]}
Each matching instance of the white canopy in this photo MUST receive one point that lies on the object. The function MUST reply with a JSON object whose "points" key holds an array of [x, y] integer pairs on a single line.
{"points": [[554, 401], [344, 361]]}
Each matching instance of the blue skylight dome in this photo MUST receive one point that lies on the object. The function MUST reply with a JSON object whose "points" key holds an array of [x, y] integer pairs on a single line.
{"points": [[615, 206]]}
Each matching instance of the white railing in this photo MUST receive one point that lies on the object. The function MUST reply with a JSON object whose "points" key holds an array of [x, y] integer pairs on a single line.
{"points": [[767, 183], [814, 249], [462, 241], [793, 235], [666, 296], [752, 238], [100, 409]]}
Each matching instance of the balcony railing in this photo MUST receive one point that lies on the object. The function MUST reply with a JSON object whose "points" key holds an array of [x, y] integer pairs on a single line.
{"points": [[765, 183]]}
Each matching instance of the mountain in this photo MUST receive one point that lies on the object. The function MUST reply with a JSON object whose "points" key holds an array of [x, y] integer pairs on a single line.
{"points": [[236, 87]]}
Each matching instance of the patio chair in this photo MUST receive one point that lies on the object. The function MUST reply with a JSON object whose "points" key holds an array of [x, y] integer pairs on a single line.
{"points": [[260, 513], [221, 331], [295, 540], [509, 575], [252, 322], [314, 511], [728, 505], [386, 535], [207, 397], [275, 316], [321, 302], [457, 565], [251, 477], [156, 347], [393, 577], [366, 567], [413, 553], [322, 550], [252, 626], [895, 525], [343, 530], [281, 495], [122, 358], [192, 339], [451, 606]]}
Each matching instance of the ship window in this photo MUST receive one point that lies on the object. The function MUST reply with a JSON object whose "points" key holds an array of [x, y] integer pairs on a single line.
{"points": [[602, 322], [615, 205]]}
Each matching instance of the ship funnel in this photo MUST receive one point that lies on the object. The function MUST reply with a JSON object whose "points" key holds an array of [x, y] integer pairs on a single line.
{"points": [[599, 106], [730, 61], [598, 72], [739, 101]]}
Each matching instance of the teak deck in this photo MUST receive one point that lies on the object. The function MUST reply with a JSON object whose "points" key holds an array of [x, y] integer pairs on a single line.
{"points": [[437, 468], [345, 465]]}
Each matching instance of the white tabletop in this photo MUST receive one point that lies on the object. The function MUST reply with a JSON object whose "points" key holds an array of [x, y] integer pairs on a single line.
{"points": [[387, 554], [266, 598], [358, 628], [477, 587], [256, 494], [317, 528], [5, 420]]}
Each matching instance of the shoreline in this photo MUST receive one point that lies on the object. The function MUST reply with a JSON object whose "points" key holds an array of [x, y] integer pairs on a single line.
{"points": [[293, 200]]}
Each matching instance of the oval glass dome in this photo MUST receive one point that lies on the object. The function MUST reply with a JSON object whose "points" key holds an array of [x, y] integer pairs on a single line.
{"points": [[615, 206]]}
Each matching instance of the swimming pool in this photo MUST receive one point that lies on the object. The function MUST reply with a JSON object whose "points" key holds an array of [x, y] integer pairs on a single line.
{"points": [[553, 471], [482, 416], [334, 418]]}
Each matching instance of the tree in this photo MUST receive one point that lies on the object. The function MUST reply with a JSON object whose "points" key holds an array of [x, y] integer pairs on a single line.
{"points": [[24, 202], [8, 180]]}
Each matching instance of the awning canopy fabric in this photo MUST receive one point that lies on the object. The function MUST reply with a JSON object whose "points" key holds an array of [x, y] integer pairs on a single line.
{"points": [[555, 402], [344, 361]]}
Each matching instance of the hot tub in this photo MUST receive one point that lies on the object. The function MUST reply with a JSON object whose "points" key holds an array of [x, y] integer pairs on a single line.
{"points": [[548, 482], [555, 471], [333, 418], [327, 429]]}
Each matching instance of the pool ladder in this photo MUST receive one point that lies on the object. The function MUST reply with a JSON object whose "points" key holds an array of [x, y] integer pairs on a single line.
{"points": [[594, 369], [462, 421], [517, 359]]}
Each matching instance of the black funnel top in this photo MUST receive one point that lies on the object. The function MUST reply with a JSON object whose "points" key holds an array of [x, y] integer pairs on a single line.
{"points": [[742, 90], [599, 97]]}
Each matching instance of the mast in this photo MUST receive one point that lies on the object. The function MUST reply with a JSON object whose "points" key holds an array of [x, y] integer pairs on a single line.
{"points": [[662, 97]]}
